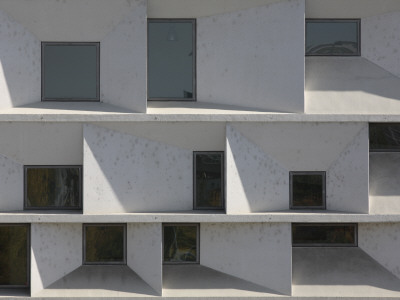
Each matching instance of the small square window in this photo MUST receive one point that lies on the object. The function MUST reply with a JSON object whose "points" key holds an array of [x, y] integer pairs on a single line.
{"points": [[384, 137], [181, 243], [171, 59], [324, 235], [104, 244], [14, 255], [70, 71], [328, 37], [307, 190], [208, 180], [53, 187]]}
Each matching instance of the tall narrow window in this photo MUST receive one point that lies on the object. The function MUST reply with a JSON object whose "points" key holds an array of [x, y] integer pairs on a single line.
{"points": [[181, 243], [70, 71], [208, 180], [14, 255], [53, 187], [307, 190], [104, 244], [327, 37], [384, 137], [171, 59]]}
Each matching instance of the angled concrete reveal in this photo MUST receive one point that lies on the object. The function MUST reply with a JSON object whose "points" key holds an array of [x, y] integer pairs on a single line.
{"points": [[243, 57], [11, 179], [256, 252], [123, 173], [56, 250]]}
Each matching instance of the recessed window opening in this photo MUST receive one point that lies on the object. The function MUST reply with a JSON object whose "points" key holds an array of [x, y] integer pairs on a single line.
{"points": [[307, 190], [384, 137], [181, 243]]}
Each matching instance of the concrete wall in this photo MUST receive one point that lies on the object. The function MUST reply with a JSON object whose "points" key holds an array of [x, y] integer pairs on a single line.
{"points": [[144, 252], [256, 252], [11, 184], [56, 250], [243, 57], [384, 185], [381, 242], [123, 173]]}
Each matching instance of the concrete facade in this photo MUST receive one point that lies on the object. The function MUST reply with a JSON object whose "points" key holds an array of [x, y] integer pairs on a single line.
{"points": [[270, 109]]}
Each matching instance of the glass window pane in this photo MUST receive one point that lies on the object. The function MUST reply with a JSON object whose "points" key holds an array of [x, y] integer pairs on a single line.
{"points": [[384, 136], [332, 37], [180, 243], [70, 71], [104, 244], [209, 181], [171, 59], [58, 187], [14, 255], [324, 234], [307, 190]]}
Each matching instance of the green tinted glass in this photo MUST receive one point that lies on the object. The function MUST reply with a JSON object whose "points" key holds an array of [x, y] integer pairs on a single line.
{"points": [[180, 244]]}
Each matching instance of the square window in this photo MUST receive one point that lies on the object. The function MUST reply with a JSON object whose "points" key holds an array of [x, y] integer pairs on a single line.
{"points": [[324, 234], [181, 243], [208, 180], [307, 190], [14, 255], [384, 137], [328, 37], [171, 59], [53, 187], [104, 244], [70, 71]]}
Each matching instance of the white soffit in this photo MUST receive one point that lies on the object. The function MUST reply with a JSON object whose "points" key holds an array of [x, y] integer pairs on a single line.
{"points": [[198, 8], [68, 20], [349, 8]]}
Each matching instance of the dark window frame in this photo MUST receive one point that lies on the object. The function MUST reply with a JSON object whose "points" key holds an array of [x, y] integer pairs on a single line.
{"points": [[195, 153], [194, 57], [322, 173], [197, 262], [84, 262], [335, 20], [381, 150], [45, 99], [28, 258], [355, 226], [26, 167]]}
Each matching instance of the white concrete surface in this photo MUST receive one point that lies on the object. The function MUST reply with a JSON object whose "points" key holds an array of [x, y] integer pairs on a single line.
{"points": [[123, 173], [144, 252], [380, 40], [11, 179], [19, 64], [381, 241], [384, 184], [243, 57], [56, 250], [340, 272], [347, 177], [340, 85], [257, 252], [123, 60]]}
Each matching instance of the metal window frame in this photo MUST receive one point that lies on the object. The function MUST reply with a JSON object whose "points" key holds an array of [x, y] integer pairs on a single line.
{"points": [[328, 20], [26, 167], [28, 258], [222, 207], [85, 225], [194, 57], [197, 225], [43, 83], [291, 197], [354, 225], [379, 150]]}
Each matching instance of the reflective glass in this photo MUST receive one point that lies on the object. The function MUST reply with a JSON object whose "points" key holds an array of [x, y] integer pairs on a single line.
{"points": [[180, 244], [171, 58], [324, 234], [104, 244], [209, 180], [307, 190], [58, 187], [332, 37], [384, 137], [14, 255], [70, 71]]}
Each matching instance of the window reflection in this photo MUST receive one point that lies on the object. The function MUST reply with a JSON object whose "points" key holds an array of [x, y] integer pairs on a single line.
{"points": [[180, 243]]}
